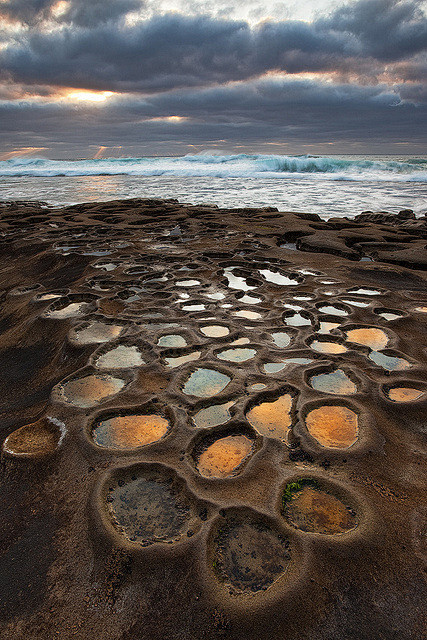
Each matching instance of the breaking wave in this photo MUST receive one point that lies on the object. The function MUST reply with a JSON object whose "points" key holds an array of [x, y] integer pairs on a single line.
{"points": [[224, 166]]}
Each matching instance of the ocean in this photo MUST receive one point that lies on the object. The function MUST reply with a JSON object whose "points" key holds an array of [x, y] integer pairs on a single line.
{"points": [[330, 186]]}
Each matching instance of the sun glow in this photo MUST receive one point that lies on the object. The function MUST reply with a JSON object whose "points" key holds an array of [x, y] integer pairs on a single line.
{"points": [[89, 96]]}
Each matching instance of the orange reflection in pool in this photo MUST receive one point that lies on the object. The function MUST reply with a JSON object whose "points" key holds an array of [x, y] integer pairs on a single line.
{"points": [[333, 426], [223, 457], [272, 419]]}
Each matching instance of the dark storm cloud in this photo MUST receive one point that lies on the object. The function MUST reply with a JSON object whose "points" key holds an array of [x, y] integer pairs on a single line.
{"points": [[83, 13], [173, 50]]}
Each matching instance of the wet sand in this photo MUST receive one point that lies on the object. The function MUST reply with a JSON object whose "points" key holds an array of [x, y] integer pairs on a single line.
{"points": [[140, 499]]}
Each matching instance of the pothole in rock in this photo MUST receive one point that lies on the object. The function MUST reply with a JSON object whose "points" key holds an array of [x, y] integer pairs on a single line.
{"points": [[364, 292], [309, 508], [389, 363], [34, 440], [275, 367], [187, 283], [297, 320], [404, 394], [421, 309], [176, 361], [193, 307], [172, 340], [331, 310], [281, 339], [257, 386], [129, 431], [388, 314], [148, 507], [236, 355], [213, 416], [236, 282], [357, 303], [272, 418], [205, 383], [239, 342], [249, 555], [249, 299], [249, 315], [277, 278], [225, 456], [336, 382], [375, 339], [44, 297], [120, 357], [325, 346], [71, 310], [333, 426], [326, 327], [88, 391], [215, 331]]}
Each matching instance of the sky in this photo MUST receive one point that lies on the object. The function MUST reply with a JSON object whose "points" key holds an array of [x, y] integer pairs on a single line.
{"points": [[125, 78]]}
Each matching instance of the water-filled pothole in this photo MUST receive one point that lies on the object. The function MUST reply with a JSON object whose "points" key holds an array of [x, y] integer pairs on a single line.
{"points": [[336, 382], [224, 457], [333, 426], [248, 315], [275, 367], [71, 310], [364, 292], [95, 333], [297, 320], [331, 310], [309, 508], [404, 394], [215, 331], [205, 383], [272, 418], [172, 340], [88, 391], [326, 327], [213, 416], [34, 440], [236, 354], [390, 363], [277, 278], [130, 431], [187, 283], [177, 361], [120, 357], [281, 339], [371, 337], [250, 299], [324, 346], [236, 282]]}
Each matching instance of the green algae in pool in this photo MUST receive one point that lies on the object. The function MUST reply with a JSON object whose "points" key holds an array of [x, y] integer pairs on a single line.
{"points": [[281, 339], [249, 556], [334, 382], [88, 391], [213, 416], [172, 340], [223, 457], [130, 431], [178, 361], [215, 331], [333, 426], [205, 383], [314, 511], [272, 419], [147, 510], [95, 333], [390, 363], [121, 357], [236, 355]]}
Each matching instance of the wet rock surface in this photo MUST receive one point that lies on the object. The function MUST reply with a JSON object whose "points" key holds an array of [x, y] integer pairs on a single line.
{"points": [[211, 437]]}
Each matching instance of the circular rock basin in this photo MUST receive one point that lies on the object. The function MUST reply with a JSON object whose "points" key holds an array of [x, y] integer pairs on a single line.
{"points": [[297, 320], [205, 383], [248, 555], [281, 339], [249, 315], [95, 333], [333, 311], [223, 457], [215, 331], [130, 431], [88, 391], [148, 508], [34, 440], [404, 394], [71, 310], [310, 509], [373, 338], [390, 363], [328, 347], [187, 283], [172, 340], [333, 426], [272, 419], [334, 382], [177, 361], [327, 327], [120, 357], [213, 416], [236, 355]]}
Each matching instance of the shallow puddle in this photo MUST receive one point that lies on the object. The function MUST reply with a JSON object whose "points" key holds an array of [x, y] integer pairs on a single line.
{"points": [[223, 457], [357, 303], [258, 386], [315, 511], [328, 347], [277, 278], [275, 367], [215, 296], [334, 382], [187, 283], [332, 311], [33, 440], [96, 333], [205, 383], [365, 292], [236, 282], [404, 394], [121, 357], [172, 340], [193, 307], [236, 355], [293, 307], [375, 339], [388, 315], [130, 431], [421, 309], [333, 426], [88, 391], [281, 339], [179, 360], [240, 341], [327, 327], [215, 331], [250, 556], [72, 310], [390, 363], [272, 419], [297, 320], [249, 299], [249, 315], [147, 510], [48, 296], [213, 416]]}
